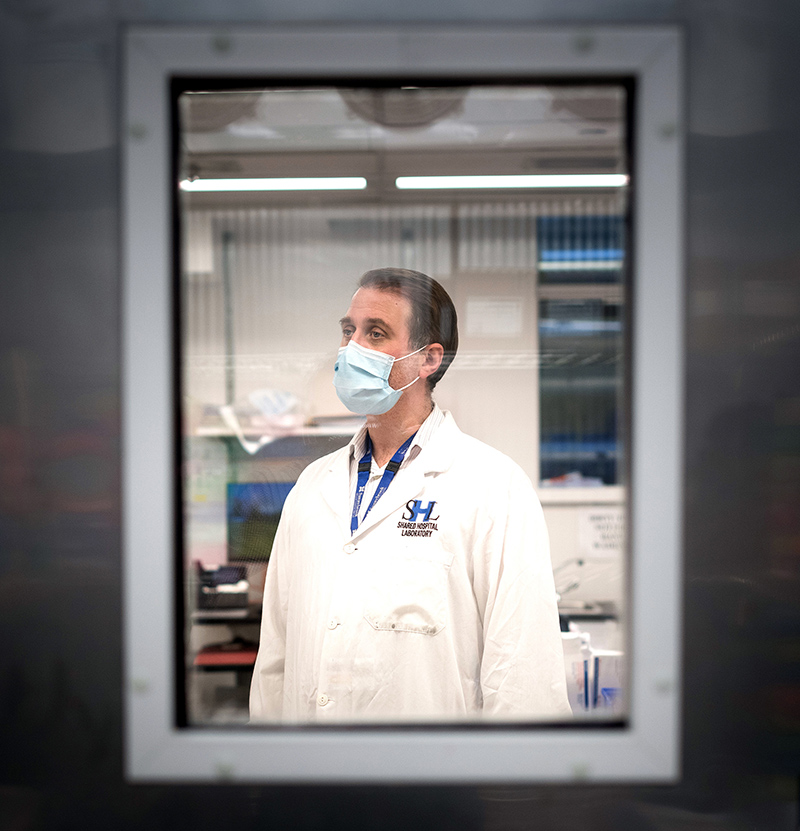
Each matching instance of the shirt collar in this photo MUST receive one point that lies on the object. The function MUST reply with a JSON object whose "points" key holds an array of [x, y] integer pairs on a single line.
{"points": [[358, 444]]}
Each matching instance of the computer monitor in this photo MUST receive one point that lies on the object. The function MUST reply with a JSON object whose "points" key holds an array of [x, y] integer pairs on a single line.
{"points": [[253, 511]]}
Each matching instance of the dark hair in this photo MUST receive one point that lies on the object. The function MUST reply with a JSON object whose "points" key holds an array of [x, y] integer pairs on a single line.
{"points": [[433, 315]]}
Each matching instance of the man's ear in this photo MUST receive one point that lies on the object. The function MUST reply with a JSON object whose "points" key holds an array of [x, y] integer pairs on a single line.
{"points": [[433, 353]]}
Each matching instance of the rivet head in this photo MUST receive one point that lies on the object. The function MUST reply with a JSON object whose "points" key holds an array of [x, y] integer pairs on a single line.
{"points": [[224, 770], [222, 43], [140, 685], [137, 131], [580, 771]]}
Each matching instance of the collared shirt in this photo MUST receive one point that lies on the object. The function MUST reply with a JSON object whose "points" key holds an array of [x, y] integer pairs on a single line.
{"points": [[358, 446]]}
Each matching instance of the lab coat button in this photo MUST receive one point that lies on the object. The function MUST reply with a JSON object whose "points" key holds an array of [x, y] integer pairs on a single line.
{"points": [[322, 699], [333, 623], [349, 548]]}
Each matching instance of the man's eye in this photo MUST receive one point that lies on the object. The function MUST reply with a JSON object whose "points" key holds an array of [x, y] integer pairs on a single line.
{"points": [[375, 334], [347, 333]]}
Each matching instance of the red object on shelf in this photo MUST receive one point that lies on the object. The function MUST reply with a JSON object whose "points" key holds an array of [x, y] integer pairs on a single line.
{"points": [[216, 656]]}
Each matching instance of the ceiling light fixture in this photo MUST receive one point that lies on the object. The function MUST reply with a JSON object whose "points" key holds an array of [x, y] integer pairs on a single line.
{"points": [[566, 180], [242, 185]]}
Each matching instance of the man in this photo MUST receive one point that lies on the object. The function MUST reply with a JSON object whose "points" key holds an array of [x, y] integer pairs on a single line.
{"points": [[410, 576]]}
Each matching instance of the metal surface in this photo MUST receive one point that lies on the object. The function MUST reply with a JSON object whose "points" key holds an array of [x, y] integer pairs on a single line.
{"points": [[60, 585]]}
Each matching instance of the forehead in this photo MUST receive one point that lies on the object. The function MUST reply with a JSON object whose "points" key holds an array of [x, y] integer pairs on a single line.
{"points": [[390, 306]]}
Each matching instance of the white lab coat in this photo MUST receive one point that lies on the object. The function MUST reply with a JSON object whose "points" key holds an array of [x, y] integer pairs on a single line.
{"points": [[453, 618]]}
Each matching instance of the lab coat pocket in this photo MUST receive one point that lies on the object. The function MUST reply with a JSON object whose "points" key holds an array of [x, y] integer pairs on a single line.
{"points": [[411, 594]]}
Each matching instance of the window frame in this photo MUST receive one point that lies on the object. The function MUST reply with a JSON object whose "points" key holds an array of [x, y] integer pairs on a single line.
{"points": [[643, 749]]}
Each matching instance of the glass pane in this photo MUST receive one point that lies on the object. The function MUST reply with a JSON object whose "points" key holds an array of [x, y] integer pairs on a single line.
{"points": [[288, 195]]}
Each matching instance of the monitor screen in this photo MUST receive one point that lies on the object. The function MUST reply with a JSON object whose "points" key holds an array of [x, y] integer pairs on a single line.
{"points": [[253, 512]]}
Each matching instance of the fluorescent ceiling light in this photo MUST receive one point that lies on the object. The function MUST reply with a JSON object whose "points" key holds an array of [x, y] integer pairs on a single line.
{"points": [[239, 185], [558, 180]]}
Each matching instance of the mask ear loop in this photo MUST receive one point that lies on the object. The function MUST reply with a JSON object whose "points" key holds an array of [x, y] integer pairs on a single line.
{"points": [[400, 389], [410, 354]]}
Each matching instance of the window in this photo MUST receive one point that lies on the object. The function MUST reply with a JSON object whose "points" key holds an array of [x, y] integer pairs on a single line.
{"points": [[515, 193]]}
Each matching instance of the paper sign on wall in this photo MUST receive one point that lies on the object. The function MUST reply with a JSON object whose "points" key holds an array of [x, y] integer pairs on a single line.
{"points": [[495, 317], [601, 532]]}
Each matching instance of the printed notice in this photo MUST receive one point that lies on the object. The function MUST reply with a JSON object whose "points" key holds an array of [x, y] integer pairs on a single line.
{"points": [[601, 532], [494, 317]]}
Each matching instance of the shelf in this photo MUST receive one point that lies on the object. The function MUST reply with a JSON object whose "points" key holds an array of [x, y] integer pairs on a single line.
{"points": [[325, 430], [247, 614], [577, 610], [601, 495]]}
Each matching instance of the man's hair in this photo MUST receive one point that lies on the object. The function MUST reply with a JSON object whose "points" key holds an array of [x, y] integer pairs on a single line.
{"points": [[433, 315]]}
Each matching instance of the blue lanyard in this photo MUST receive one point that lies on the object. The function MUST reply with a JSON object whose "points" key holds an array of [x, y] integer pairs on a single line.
{"points": [[364, 467]]}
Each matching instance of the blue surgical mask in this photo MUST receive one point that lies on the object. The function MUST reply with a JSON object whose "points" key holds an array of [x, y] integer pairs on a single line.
{"points": [[361, 378]]}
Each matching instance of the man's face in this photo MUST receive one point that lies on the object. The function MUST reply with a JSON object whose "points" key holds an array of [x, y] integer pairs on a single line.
{"points": [[380, 320]]}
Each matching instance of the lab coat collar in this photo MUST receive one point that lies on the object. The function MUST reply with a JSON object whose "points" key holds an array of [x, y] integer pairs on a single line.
{"points": [[438, 454], [436, 457]]}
